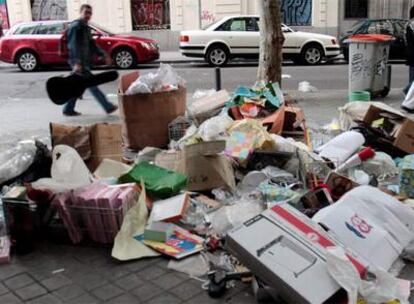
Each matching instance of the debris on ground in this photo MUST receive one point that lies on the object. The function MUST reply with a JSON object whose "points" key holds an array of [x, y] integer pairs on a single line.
{"points": [[236, 188]]}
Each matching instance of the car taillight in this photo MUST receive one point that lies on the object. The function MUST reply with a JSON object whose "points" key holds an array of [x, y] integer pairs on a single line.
{"points": [[334, 41], [184, 39]]}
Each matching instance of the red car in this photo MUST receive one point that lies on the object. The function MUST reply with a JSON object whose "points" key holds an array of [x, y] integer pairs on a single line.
{"points": [[35, 44]]}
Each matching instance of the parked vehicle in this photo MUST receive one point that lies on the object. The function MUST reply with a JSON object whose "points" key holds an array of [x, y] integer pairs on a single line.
{"points": [[239, 37], [34, 44], [392, 27]]}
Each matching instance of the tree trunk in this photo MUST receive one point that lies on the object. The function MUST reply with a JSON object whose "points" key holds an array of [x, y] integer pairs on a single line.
{"points": [[271, 42]]}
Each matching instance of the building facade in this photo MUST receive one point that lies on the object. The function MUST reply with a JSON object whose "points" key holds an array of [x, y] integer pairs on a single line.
{"points": [[163, 19]]}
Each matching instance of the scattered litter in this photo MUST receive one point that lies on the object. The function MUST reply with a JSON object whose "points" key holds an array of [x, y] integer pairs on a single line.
{"points": [[306, 87]]}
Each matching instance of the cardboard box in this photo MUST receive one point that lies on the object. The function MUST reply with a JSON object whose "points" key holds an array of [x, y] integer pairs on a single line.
{"points": [[201, 163], [93, 143], [145, 117], [106, 142], [77, 137], [403, 134], [209, 106], [289, 254]]}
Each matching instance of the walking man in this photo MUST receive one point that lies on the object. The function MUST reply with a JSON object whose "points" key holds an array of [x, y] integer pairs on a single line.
{"points": [[82, 48]]}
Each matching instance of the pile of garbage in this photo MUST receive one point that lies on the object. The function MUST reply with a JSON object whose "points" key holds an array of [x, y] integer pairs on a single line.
{"points": [[244, 191]]}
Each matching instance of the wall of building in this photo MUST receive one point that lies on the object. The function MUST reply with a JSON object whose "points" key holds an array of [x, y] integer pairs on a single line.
{"points": [[19, 11]]}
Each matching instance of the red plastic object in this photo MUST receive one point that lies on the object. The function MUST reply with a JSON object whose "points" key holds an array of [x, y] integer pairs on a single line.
{"points": [[371, 38], [366, 154]]}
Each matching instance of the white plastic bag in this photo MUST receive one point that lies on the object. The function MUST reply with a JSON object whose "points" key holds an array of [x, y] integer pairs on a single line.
{"points": [[165, 79], [16, 161], [68, 171], [215, 127], [383, 288], [306, 87]]}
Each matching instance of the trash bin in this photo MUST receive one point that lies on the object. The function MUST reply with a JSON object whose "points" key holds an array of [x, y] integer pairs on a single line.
{"points": [[368, 64]]}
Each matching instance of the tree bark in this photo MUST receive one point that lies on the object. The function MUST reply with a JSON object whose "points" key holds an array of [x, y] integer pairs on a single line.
{"points": [[271, 42]]}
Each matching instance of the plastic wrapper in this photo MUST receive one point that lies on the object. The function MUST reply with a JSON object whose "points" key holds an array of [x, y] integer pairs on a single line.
{"points": [[380, 287], [17, 160], [159, 182], [215, 128], [232, 216], [195, 266], [274, 194], [165, 79], [278, 175], [203, 93]]}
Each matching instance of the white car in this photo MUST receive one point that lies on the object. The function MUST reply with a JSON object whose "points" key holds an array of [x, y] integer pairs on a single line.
{"points": [[239, 37]]}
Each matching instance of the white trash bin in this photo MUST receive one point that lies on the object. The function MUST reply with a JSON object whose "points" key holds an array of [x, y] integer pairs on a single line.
{"points": [[368, 64]]}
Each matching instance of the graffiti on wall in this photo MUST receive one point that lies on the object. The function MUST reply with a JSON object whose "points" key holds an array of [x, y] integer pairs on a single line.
{"points": [[297, 12], [150, 14], [207, 17], [49, 10], [4, 17]]}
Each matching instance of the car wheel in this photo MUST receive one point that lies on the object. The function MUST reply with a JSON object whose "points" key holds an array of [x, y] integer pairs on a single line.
{"points": [[217, 56], [27, 61], [124, 59], [312, 54]]}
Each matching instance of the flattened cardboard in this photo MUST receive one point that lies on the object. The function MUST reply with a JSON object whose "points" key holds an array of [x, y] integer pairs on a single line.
{"points": [[206, 107], [145, 117]]}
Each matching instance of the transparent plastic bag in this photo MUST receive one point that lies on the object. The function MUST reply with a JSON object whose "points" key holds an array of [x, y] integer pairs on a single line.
{"points": [[17, 160], [164, 79], [215, 127]]}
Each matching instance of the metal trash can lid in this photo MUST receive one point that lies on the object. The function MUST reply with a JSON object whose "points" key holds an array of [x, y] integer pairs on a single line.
{"points": [[370, 38]]}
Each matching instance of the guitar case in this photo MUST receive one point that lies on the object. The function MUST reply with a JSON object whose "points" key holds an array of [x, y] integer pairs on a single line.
{"points": [[61, 89]]}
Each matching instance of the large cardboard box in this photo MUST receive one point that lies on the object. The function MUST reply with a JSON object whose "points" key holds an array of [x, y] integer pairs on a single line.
{"points": [[289, 255], [93, 142], [204, 167], [145, 117], [403, 127], [106, 142]]}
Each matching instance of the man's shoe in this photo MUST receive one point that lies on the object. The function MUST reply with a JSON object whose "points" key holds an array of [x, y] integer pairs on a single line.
{"points": [[411, 111], [73, 113], [114, 109]]}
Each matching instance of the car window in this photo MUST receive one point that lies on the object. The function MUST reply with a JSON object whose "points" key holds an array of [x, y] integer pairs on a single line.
{"points": [[239, 25], [50, 29], [381, 27], [26, 29]]}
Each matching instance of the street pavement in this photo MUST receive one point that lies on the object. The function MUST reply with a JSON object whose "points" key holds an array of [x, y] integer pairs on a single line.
{"points": [[63, 273]]}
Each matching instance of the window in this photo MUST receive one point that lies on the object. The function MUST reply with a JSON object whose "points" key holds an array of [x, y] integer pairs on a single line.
{"points": [[381, 27], [240, 25], [50, 29], [26, 29], [355, 9]]}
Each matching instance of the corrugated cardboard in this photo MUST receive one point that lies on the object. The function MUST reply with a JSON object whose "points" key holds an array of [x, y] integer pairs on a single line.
{"points": [[93, 143], [106, 142], [77, 137], [289, 255], [145, 117], [202, 165], [404, 139], [206, 107]]}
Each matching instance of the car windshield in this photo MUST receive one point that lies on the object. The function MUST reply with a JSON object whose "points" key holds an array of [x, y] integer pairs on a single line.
{"points": [[102, 29], [356, 26]]}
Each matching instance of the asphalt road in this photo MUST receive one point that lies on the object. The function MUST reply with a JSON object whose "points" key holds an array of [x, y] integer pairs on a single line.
{"points": [[18, 85]]}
